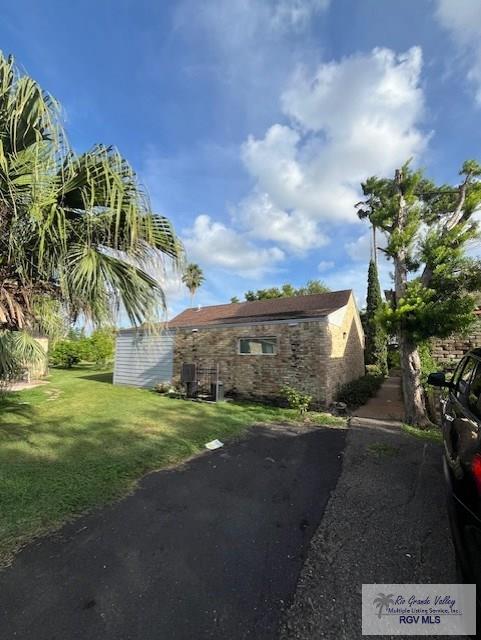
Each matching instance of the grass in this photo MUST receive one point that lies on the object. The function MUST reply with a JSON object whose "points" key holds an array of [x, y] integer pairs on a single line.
{"points": [[79, 442], [429, 435]]}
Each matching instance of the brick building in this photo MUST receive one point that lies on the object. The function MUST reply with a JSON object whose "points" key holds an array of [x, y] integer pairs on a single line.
{"points": [[314, 343]]}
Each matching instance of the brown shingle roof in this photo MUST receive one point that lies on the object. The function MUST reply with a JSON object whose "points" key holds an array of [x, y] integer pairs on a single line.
{"points": [[298, 307]]}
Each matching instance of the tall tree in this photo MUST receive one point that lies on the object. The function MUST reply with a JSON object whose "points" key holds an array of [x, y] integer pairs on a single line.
{"points": [[193, 277], [78, 237], [427, 229], [376, 339]]}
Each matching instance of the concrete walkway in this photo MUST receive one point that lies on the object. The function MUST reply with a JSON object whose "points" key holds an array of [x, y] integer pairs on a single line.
{"points": [[387, 404], [386, 522]]}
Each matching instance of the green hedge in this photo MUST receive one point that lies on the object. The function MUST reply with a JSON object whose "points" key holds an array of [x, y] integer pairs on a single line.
{"points": [[357, 392]]}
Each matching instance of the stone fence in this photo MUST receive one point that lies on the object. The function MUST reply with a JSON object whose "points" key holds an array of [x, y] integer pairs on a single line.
{"points": [[448, 351]]}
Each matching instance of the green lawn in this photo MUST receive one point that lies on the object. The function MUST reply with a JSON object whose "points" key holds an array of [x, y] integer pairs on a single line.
{"points": [[79, 442]]}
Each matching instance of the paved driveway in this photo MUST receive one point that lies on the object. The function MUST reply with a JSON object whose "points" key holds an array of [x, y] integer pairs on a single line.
{"points": [[212, 549]]}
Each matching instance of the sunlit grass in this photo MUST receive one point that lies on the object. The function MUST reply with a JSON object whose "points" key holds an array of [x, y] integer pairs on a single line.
{"points": [[430, 435]]}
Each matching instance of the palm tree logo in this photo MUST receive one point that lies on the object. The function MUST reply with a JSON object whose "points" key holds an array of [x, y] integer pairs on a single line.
{"points": [[383, 601]]}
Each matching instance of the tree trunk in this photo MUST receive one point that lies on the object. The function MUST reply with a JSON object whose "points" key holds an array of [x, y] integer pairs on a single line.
{"points": [[413, 392]]}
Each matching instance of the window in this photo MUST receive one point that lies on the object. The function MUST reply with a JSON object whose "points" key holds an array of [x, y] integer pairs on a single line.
{"points": [[474, 394], [258, 346], [462, 382]]}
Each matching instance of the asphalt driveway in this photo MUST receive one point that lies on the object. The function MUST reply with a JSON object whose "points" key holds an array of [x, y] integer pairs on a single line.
{"points": [[212, 549]]}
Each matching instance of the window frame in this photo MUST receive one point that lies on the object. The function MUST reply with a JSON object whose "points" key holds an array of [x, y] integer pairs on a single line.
{"points": [[474, 410], [463, 396], [276, 345]]}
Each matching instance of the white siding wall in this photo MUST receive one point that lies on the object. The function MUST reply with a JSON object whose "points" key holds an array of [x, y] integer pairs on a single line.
{"points": [[143, 360]]}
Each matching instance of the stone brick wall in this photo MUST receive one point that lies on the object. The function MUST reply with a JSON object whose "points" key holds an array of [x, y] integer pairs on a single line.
{"points": [[346, 360], [300, 360], [314, 356], [446, 351]]}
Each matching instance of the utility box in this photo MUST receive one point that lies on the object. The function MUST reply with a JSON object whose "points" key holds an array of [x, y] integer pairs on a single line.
{"points": [[188, 373], [219, 391]]}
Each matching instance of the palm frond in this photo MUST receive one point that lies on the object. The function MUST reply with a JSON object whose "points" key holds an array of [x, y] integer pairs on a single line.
{"points": [[18, 349], [77, 229]]}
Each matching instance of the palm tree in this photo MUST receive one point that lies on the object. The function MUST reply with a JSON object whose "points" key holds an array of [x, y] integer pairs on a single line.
{"points": [[383, 601], [77, 233], [193, 277]]}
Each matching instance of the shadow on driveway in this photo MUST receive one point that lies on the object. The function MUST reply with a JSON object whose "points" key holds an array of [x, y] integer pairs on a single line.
{"points": [[211, 549]]}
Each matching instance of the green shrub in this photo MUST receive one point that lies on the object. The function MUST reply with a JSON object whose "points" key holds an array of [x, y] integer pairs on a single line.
{"points": [[393, 359], [357, 392], [428, 365], [97, 348], [102, 346], [65, 354], [374, 370], [296, 399]]}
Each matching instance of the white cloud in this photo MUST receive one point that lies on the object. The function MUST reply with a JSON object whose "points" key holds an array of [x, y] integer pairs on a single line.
{"points": [[325, 265], [214, 244], [294, 13], [462, 19], [349, 119], [295, 231], [232, 24]]}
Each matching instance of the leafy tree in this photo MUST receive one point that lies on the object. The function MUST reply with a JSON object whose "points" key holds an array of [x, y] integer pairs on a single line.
{"points": [[312, 287], [287, 290], [376, 339], [427, 229], [74, 229], [235, 300], [193, 277], [102, 345]]}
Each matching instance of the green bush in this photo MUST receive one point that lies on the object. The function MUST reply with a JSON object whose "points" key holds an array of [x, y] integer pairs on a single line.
{"points": [[65, 354], [97, 348], [374, 370], [393, 359], [428, 365], [296, 399], [102, 346], [357, 392]]}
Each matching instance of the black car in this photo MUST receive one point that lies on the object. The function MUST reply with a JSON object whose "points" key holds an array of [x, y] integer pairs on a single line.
{"points": [[461, 424]]}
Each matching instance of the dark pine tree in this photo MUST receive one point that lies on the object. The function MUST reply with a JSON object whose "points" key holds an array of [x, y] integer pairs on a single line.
{"points": [[376, 339]]}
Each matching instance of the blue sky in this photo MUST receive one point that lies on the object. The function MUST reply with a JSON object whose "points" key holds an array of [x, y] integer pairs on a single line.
{"points": [[252, 122]]}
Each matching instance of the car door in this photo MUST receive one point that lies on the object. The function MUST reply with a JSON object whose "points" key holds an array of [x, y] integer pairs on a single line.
{"points": [[464, 409], [456, 419]]}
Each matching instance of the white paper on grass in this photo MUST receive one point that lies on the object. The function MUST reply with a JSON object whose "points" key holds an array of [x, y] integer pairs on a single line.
{"points": [[214, 444]]}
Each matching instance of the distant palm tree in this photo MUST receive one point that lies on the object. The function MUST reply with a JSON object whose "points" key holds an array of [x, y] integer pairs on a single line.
{"points": [[383, 601], [78, 237], [193, 278]]}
